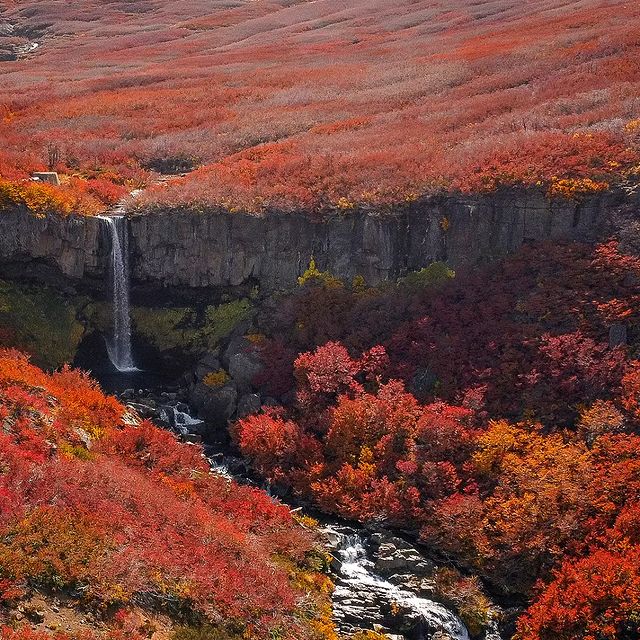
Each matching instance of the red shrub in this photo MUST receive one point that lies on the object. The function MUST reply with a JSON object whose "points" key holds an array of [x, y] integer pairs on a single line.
{"points": [[596, 597], [131, 515]]}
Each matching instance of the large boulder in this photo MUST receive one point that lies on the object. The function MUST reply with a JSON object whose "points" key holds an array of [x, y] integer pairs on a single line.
{"points": [[237, 344], [242, 361], [243, 368], [215, 405], [249, 404], [208, 363], [393, 555], [617, 335]]}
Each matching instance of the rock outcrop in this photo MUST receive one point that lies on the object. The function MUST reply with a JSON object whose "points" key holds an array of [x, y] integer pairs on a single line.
{"points": [[370, 593], [232, 395], [74, 246], [203, 250], [188, 249]]}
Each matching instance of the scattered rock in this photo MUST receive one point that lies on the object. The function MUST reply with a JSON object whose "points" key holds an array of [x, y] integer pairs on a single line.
{"points": [[617, 335], [147, 409], [34, 615], [248, 404], [84, 437], [244, 367], [215, 405]]}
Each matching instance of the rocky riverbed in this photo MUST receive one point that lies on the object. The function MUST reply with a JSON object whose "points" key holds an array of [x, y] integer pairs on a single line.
{"points": [[382, 582], [379, 584]]}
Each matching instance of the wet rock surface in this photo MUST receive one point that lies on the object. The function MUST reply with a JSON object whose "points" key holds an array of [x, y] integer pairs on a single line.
{"points": [[394, 557], [364, 598]]}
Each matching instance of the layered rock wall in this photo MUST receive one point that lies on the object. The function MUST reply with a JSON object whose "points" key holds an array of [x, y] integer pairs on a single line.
{"points": [[192, 249], [199, 250], [31, 246]]}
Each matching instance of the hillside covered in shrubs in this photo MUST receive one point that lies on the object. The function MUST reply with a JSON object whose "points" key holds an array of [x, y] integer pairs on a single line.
{"points": [[320, 105], [494, 415], [113, 529]]}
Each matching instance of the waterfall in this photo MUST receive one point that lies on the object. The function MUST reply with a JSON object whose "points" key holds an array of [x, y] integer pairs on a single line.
{"points": [[119, 345]]}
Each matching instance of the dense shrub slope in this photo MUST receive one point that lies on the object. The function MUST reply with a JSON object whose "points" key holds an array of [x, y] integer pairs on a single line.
{"points": [[116, 520], [495, 415], [323, 104]]}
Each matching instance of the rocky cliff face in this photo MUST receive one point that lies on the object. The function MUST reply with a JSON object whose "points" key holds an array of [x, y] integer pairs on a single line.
{"points": [[196, 250], [189, 249], [49, 247]]}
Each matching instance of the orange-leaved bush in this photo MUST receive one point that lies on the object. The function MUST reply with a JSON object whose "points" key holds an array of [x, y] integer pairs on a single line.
{"points": [[127, 516]]}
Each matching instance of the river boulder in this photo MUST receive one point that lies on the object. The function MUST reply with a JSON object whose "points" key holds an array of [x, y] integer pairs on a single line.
{"points": [[215, 405]]}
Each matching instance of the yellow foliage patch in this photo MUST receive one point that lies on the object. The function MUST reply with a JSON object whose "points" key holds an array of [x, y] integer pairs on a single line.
{"points": [[571, 188], [216, 378], [41, 198]]}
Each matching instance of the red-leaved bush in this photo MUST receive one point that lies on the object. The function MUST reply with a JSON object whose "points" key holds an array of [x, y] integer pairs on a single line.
{"points": [[127, 516], [490, 415]]}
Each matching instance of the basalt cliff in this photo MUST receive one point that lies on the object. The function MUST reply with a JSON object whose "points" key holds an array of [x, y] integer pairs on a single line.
{"points": [[188, 249]]}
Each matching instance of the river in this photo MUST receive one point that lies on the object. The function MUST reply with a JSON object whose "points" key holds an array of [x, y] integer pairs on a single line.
{"points": [[366, 596]]}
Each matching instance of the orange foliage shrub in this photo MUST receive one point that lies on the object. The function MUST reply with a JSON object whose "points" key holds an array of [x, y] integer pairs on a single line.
{"points": [[128, 514], [80, 196], [596, 597], [39, 198]]}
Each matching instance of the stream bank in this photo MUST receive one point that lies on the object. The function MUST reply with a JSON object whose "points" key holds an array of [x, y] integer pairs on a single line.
{"points": [[382, 582]]}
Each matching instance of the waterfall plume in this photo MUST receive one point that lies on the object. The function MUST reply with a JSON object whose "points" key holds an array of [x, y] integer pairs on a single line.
{"points": [[119, 343]]}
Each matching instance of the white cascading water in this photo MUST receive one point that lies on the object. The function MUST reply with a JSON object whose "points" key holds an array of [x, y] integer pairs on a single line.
{"points": [[119, 346], [182, 421], [356, 570]]}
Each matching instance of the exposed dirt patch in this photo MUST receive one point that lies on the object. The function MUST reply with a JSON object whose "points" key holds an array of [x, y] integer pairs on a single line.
{"points": [[61, 613]]}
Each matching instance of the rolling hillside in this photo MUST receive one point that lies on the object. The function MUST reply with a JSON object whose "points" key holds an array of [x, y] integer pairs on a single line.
{"points": [[325, 103]]}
